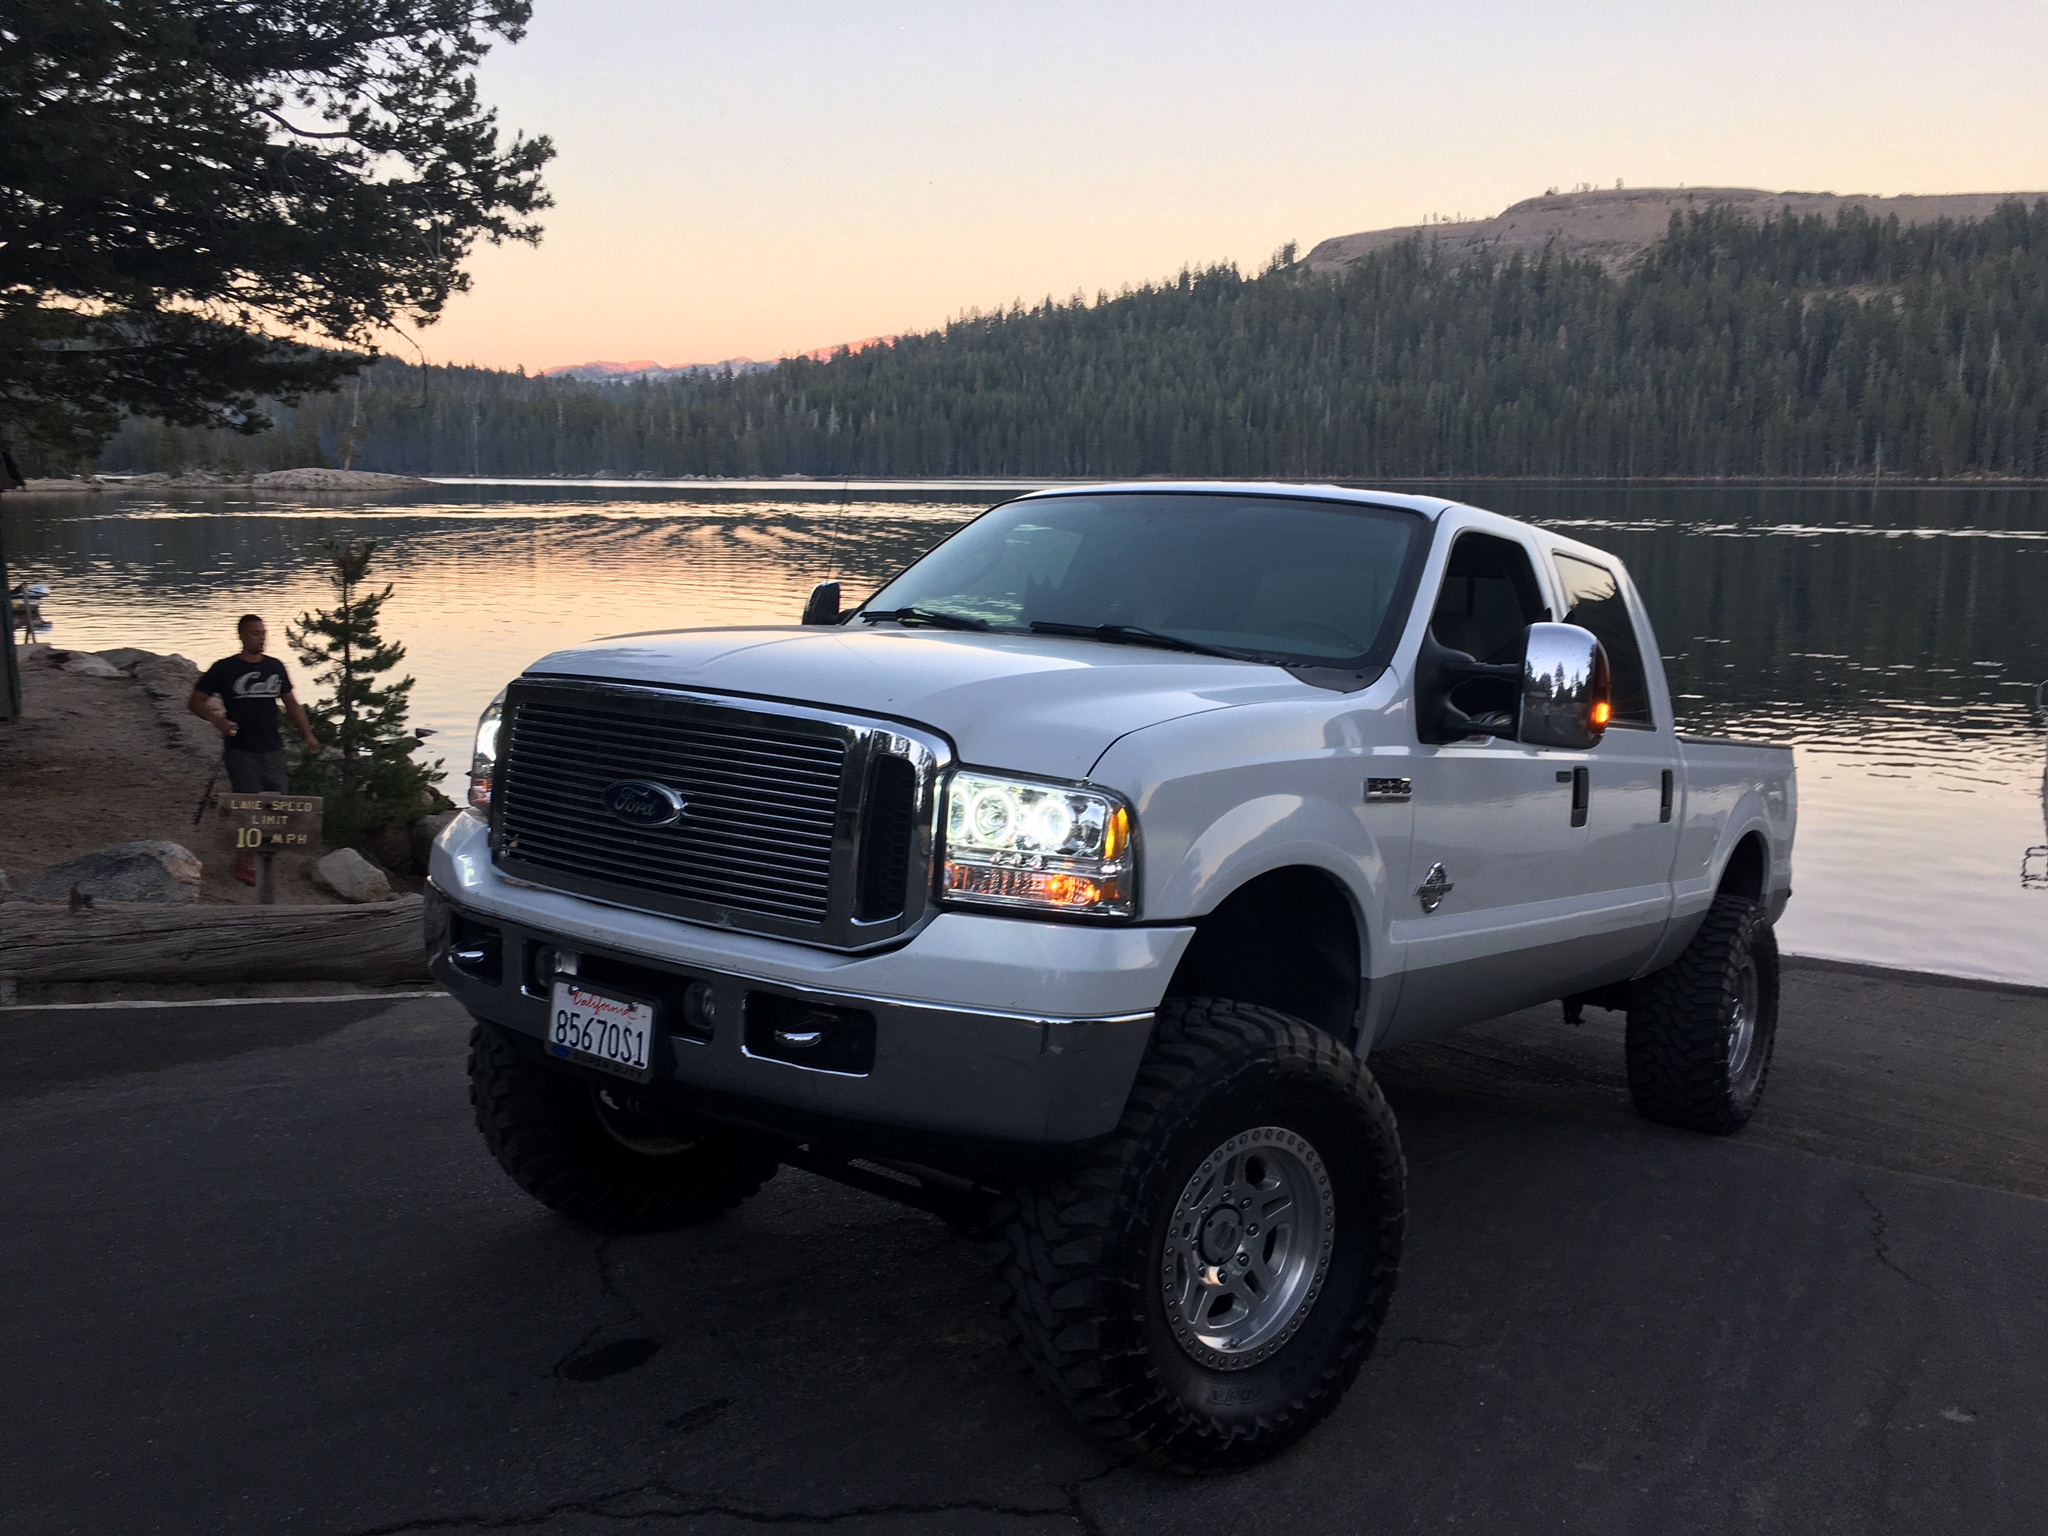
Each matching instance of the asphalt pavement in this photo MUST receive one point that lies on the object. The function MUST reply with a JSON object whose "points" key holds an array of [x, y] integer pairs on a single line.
{"points": [[257, 1274]]}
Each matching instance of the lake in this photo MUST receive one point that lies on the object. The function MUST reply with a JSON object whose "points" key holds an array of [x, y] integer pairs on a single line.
{"points": [[1897, 637]]}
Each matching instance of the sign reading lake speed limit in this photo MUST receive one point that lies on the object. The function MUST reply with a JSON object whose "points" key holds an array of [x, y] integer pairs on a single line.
{"points": [[273, 823]]}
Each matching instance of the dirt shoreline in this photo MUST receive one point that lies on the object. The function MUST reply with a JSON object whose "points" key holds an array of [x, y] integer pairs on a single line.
{"points": [[308, 479], [101, 760]]}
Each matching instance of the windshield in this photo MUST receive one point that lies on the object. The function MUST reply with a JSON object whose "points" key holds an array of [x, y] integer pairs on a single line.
{"points": [[1275, 578]]}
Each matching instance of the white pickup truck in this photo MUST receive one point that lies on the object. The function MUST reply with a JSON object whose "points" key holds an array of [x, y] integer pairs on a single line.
{"points": [[1067, 885]]}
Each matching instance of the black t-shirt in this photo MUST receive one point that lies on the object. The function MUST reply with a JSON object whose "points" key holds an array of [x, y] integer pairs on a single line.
{"points": [[250, 691]]}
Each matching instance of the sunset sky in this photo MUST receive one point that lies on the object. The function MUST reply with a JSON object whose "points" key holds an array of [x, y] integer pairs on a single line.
{"points": [[766, 178]]}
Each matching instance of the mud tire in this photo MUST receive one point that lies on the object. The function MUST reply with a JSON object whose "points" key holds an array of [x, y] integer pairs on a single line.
{"points": [[1082, 1252], [1682, 1066], [575, 1153]]}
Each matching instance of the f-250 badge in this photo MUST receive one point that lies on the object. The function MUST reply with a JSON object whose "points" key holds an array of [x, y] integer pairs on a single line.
{"points": [[1436, 885]]}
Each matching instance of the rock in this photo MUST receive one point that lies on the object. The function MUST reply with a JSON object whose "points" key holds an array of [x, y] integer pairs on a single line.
{"points": [[143, 871], [93, 666], [311, 479], [167, 677], [347, 874], [391, 846], [424, 831], [126, 657], [3, 885]]}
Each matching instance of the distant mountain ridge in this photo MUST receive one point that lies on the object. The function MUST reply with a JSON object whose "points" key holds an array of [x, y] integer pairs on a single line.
{"points": [[1615, 226], [603, 372]]}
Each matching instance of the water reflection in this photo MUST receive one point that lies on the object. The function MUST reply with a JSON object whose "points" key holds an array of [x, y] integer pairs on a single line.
{"points": [[1897, 639]]}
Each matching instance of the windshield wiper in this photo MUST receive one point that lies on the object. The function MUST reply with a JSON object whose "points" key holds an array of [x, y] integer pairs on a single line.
{"points": [[929, 616], [1137, 634]]}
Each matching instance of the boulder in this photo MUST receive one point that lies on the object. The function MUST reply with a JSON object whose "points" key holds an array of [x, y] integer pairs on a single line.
{"points": [[125, 657], [92, 666], [347, 874], [391, 845], [313, 479], [424, 831], [144, 871], [167, 677]]}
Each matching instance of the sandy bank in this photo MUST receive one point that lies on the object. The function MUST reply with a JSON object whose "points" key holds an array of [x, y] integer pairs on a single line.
{"points": [[103, 760]]}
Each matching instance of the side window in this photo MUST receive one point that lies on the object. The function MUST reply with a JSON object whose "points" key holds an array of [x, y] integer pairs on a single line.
{"points": [[1593, 601], [1489, 598]]}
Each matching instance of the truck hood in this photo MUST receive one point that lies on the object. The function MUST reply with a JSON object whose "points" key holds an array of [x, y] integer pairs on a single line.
{"points": [[1028, 703]]}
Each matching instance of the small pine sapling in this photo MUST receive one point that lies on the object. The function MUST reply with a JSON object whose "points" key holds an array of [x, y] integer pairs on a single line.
{"points": [[369, 777]]}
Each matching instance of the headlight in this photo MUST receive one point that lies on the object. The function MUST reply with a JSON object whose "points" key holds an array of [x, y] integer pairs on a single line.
{"points": [[1050, 847], [483, 761]]}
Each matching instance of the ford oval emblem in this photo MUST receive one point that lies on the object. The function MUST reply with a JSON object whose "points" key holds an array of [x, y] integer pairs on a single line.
{"points": [[643, 803]]}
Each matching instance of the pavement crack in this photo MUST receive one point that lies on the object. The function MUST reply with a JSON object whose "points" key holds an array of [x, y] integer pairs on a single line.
{"points": [[566, 1368], [1879, 1226]]}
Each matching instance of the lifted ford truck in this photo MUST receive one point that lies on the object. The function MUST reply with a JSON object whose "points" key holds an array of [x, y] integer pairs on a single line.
{"points": [[1066, 886]]}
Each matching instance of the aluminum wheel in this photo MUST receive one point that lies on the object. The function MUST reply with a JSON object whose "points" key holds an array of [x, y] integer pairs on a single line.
{"points": [[1742, 1021], [1247, 1248]]}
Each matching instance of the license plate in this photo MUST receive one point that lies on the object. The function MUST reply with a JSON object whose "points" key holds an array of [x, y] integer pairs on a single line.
{"points": [[615, 1034]]}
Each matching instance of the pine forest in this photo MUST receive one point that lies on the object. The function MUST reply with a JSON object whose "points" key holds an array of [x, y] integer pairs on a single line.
{"points": [[1793, 348]]}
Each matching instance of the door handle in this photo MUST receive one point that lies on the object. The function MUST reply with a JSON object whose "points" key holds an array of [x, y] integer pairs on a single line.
{"points": [[1582, 792], [1665, 799]]}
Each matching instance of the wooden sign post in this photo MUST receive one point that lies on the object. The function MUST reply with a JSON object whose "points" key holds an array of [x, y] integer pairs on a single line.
{"points": [[268, 825]]}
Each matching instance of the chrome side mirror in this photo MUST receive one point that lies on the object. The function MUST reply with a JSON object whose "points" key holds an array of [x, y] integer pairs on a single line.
{"points": [[1567, 694], [823, 604]]}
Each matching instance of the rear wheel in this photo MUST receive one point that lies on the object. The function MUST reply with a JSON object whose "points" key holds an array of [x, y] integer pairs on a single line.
{"points": [[1203, 1291], [596, 1152], [1701, 1032]]}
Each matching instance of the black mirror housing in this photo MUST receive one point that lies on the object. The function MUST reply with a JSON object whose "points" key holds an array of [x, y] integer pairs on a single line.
{"points": [[1439, 670], [1563, 687], [822, 607]]}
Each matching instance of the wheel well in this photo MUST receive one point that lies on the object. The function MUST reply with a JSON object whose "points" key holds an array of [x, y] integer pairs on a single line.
{"points": [[1744, 873], [1286, 940]]}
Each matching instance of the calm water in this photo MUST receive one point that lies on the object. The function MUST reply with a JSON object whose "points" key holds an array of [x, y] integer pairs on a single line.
{"points": [[1897, 638]]}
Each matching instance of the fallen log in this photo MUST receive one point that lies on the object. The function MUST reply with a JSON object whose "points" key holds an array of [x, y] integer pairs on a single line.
{"points": [[380, 944]]}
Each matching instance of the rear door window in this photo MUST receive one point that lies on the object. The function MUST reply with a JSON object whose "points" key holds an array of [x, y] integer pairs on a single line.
{"points": [[1593, 601]]}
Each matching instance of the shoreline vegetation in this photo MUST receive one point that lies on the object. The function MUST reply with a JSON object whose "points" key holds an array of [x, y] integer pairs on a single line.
{"points": [[1732, 350]]}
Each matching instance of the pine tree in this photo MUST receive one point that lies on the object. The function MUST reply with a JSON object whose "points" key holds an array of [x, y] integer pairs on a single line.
{"points": [[370, 778]]}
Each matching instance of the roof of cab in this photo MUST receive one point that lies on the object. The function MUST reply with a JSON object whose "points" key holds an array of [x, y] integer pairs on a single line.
{"points": [[1428, 506]]}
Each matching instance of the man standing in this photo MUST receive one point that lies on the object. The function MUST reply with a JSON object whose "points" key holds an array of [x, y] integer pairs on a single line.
{"points": [[238, 696]]}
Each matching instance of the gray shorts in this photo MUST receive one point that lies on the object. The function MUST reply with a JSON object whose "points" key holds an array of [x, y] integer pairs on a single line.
{"points": [[255, 773]]}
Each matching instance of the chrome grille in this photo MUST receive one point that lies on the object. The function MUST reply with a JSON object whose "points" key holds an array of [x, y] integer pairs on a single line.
{"points": [[775, 807]]}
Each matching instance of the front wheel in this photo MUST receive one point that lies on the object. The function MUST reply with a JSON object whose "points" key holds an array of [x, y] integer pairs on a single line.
{"points": [[595, 1152], [1203, 1290], [1701, 1031]]}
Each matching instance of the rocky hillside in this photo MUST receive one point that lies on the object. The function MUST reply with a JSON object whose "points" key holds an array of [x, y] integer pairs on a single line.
{"points": [[1614, 227]]}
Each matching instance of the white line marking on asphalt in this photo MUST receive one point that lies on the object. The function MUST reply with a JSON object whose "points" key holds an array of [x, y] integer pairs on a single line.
{"points": [[225, 1002]]}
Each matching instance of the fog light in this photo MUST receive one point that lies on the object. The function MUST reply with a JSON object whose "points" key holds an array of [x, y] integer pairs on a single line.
{"points": [[700, 1007]]}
